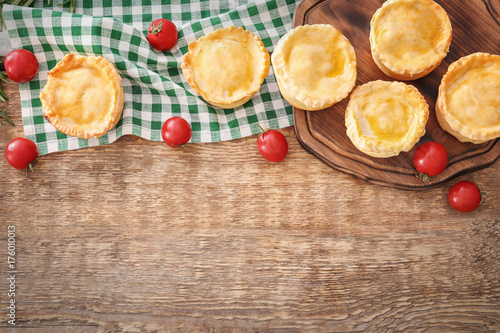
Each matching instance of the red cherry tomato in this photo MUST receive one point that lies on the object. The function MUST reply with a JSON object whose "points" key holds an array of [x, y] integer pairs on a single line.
{"points": [[21, 152], [430, 158], [464, 196], [272, 145], [176, 132], [162, 34], [21, 65]]}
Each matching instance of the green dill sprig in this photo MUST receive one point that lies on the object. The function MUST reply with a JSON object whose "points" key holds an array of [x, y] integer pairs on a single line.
{"points": [[24, 3], [72, 5], [4, 98]]}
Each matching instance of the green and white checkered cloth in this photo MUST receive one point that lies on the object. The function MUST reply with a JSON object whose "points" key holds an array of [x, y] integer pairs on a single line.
{"points": [[154, 86]]}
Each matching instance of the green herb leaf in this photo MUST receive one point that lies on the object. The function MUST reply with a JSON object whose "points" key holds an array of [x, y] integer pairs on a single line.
{"points": [[11, 2], [7, 119], [72, 5]]}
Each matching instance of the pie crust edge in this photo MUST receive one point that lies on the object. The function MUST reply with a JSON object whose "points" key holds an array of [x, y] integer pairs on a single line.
{"points": [[294, 95], [445, 118], [381, 148], [187, 70], [408, 74], [109, 72]]}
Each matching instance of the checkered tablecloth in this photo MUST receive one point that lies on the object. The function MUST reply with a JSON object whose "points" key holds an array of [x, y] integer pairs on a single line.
{"points": [[154, 86]]}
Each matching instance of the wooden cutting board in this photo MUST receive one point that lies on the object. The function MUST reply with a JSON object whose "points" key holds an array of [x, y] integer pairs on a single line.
{"points": [[476, 27]]}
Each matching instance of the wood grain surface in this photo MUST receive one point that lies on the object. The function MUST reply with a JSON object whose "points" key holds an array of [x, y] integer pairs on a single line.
{"points": [[139, 237], [476, 28]]}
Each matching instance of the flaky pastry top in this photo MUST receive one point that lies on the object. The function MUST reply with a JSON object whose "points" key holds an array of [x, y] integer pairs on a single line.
{"points": [[226, 67], [385, 118], [315, 66], [468, 103], [83, 96], [410, 36]]}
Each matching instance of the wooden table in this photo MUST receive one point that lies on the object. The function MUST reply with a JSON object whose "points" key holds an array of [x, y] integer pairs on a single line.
{"points": [[137, 236]]}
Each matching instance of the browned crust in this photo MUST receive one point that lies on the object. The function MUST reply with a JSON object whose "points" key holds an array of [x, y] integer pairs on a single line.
{"points": [[407, 74], [187, 69], [294, 95], [378, 148], [445, 117], [108, 71]]}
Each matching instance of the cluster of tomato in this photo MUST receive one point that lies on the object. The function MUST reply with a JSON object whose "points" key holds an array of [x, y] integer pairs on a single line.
{"points": [[272, 145], [21, 66], [430, 158]]}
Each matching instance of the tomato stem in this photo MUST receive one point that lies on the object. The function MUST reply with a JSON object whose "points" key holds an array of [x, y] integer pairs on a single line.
{"points": [[263, 130], [180, 146], [423, 177], [31, 167], [156, 29], [481, 193]]}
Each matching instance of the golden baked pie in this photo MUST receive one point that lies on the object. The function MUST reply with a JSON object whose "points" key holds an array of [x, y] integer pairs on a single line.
{"points": [[226, 67], [385, 118], [409, 38], [468, 103], [314, 66], [83, 96]]}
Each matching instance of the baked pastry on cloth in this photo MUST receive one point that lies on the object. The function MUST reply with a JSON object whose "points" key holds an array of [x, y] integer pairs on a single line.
{"points": [[409, 38], [385, 118], [226, 67], [83, 96], [468, 103], [314, 66]]}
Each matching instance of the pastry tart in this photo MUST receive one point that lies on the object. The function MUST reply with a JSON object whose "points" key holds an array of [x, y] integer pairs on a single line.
{"points": [[83, 96], [385, 118], [314, 66], [409, 38], [226, 67], [468, 103]]}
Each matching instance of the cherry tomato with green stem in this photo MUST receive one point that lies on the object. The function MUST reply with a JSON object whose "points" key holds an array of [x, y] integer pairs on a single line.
{"points": [[162, 34], [176, 132], [464, 196], [272, 145], [430, 159], [21, 153]]}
